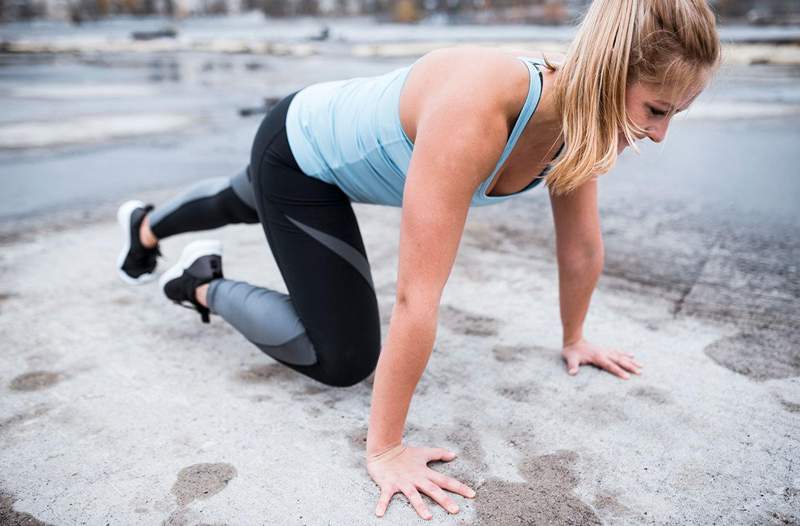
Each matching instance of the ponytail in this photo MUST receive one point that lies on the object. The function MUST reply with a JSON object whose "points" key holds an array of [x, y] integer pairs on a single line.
{"points": [[619, 42]]}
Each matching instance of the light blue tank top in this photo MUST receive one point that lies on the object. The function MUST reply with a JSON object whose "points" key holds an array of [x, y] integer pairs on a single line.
{"points": [[348, 133]]}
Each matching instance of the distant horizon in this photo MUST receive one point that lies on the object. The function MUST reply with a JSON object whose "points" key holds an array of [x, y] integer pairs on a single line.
{"points": [[505, 12]]}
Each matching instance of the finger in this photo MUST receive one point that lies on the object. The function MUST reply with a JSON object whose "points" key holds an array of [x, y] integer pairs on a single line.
{"points": [[451, 484], [627, 365], [438, 453], [573, 363], [631, 357], [383, 501], [610, 366], [436, 493], [416, 500]]}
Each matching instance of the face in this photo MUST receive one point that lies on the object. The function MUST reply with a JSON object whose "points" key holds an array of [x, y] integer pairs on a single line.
{"points": [[651, 108]]}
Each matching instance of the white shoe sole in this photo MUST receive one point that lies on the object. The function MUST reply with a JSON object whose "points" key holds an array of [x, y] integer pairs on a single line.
{"points": [[124, 220], [190, 254]]}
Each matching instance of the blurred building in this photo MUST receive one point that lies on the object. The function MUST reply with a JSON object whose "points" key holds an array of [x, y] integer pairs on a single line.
{"points": [[464, 11]]}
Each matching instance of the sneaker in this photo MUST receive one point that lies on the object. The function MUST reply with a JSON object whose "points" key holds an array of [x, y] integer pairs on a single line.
{"points": [[200, 262], [135, 263]]}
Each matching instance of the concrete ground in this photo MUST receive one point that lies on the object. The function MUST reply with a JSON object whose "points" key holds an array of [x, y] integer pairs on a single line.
{"points": [[120, 408]]}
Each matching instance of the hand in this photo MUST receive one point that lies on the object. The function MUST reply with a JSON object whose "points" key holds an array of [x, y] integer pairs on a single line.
{"points": [[405, 468], [583, 353]]}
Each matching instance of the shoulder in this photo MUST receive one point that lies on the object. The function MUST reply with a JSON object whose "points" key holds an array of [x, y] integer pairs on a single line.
{"points": [[483, 79], [487, 73]]}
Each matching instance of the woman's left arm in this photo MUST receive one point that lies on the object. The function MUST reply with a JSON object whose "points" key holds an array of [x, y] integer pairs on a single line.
{"points": [[579, 251]]}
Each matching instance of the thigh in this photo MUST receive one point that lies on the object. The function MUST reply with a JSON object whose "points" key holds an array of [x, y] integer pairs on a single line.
{"points": [[316, 241]]}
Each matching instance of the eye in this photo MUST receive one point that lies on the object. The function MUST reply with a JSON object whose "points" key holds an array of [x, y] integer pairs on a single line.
{"points": [[656, 111]]}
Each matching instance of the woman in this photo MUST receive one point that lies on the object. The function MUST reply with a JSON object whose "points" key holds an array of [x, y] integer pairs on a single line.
{"points": [[460, 127]]}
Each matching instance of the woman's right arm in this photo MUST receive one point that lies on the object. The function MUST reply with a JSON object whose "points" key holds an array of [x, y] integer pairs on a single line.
{"points": [[461, 127]]}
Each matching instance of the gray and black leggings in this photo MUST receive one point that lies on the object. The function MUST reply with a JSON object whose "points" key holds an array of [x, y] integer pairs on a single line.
{"points": [[328, 326]]}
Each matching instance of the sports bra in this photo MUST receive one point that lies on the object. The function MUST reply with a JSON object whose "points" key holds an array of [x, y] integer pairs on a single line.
{"points": [[348, 133]]}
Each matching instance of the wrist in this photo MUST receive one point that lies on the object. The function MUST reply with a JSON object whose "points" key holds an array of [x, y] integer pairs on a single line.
{"points": [[571, 339], [384, 453]]}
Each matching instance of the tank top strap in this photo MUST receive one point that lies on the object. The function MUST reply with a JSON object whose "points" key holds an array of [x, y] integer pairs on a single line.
{"points": [[528, 109]]}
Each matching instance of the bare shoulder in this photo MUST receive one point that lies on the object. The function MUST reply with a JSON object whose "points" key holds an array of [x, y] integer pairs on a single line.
{"points": [[479, 78], [552, 56]]}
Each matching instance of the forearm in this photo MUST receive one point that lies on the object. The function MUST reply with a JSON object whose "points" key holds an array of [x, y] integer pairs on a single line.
{"points": [[402, 361], [577, 278]]}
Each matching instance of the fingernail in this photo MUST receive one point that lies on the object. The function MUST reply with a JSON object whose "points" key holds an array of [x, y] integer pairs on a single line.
{"points": [[454, 509], [471, 493]]}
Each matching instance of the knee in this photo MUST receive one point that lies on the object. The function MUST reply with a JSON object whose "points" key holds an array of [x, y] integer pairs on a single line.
{"points": [[349, 372]]}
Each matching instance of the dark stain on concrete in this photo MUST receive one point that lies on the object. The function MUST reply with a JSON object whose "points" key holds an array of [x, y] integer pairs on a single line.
{"points": [[790, 406], [357, 439], [467, 323], [315, 393], [512, 353], [122, 301], [610, 505], [759, 354], [312, 410], [791, 494], [654, 395], [469, 466], [517, 393], [314, 389], [11, 517], [19, 418], [499, 237], [546, 497], [268, 373], [778, 518], [261, 398], [201, 481], [603, 409], [35, 380]]}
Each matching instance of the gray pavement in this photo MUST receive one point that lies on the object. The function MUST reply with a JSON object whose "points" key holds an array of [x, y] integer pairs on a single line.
{"points": [[120, 408]]}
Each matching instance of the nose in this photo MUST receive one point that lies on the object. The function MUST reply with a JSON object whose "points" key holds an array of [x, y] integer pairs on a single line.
{"points": [[658, 132]]}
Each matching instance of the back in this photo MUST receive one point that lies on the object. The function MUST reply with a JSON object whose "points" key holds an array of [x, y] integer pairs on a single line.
{"points": [[349, 133]]}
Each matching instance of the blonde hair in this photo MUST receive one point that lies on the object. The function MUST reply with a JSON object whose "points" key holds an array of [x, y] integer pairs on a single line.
{"points": [[620, 42]]}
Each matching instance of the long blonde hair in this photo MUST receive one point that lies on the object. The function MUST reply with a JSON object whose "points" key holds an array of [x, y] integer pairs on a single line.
{"points": [[620, 42]]}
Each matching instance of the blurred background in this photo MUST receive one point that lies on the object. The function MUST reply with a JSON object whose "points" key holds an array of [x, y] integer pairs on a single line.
{"points": [[450, 11]]}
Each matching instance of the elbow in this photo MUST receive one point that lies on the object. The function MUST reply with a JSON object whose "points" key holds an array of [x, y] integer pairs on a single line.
{"points": [[416, 304], [590, 256]]}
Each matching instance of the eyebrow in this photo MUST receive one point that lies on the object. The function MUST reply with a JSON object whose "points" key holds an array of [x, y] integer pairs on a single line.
{"points": [[671, 107]]}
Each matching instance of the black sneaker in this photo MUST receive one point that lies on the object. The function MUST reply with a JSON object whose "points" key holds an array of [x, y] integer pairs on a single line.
{"points": [[200, 262], [135, 263]]}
